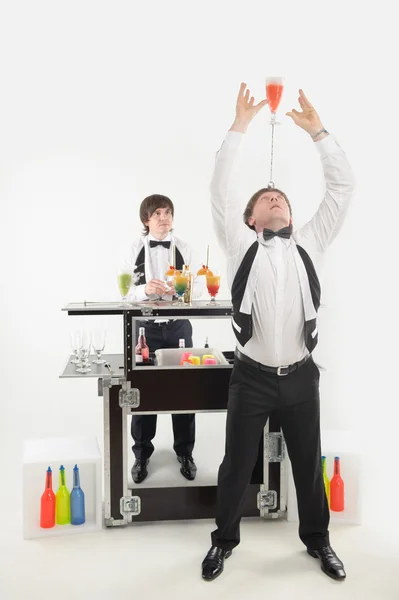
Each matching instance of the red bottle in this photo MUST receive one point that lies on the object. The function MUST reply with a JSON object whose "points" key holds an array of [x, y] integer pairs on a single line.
{"points": [[142, 350], [337, 488], [47, 503]]}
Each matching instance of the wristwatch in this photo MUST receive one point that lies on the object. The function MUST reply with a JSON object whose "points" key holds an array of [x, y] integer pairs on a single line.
{"points": [[316, 135]]}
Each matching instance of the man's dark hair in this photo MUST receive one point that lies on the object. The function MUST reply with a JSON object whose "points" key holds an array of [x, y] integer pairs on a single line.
{"points": [[150, 204], [250, 206]]}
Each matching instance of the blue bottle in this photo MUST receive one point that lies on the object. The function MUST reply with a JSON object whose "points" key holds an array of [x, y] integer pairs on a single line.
{"points": [[77, 500]]}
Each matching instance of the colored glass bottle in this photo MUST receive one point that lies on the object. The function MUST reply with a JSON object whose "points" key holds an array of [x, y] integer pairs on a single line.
{"points": [[142, 350], [325, 478], [63, 507], [47, 503], [77, 500], [337, 488]]}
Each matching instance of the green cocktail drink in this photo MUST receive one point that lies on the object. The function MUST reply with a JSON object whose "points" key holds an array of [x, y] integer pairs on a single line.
{"points": [[124, 283]]}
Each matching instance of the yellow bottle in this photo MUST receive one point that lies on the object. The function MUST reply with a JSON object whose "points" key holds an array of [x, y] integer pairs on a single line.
{"points": [[63, 504], [189, 291], [325, 479]]}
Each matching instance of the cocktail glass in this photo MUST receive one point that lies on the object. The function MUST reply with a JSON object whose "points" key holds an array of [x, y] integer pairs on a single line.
{"points": [[98, 344], [213, 285], [84, 353], [274, 92], [180, 283]]}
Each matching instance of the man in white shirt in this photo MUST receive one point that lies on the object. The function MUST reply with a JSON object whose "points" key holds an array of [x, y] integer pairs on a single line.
{"points": [[150, 258], [273, 273]]}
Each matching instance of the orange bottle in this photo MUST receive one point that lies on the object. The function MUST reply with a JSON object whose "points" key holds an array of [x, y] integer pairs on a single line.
{"points": [[337, 488]]}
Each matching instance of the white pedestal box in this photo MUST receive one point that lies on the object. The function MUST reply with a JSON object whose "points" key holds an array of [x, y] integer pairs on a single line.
{"points": [[39, 454], [345, 445]]}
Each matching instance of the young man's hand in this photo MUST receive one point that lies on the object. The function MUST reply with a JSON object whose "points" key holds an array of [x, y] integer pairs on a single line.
{"points": [[308, 119], [246, 109], [155, 286]]}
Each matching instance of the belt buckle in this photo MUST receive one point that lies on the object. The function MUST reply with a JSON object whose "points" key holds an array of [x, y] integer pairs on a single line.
{"points": [[279, 373]]}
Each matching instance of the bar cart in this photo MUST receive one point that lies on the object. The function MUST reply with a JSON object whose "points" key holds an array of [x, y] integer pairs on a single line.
{"points": [[128, 388]]}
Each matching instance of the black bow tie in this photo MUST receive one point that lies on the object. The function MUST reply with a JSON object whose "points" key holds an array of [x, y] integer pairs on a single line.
{"points": [[154, 243], [285, 233]]}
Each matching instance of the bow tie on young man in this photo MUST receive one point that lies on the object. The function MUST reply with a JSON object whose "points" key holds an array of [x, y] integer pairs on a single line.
{"points": [[154, 243], [285, 233]]}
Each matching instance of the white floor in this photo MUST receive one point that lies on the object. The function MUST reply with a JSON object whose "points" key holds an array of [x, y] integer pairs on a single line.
{"points": [[163, 559], [164, 470], [147, 561]]}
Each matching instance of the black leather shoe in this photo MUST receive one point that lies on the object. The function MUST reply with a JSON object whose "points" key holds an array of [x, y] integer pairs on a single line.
{"points": [[139, 470], [188, 467], [213, 563], [330, 563]]}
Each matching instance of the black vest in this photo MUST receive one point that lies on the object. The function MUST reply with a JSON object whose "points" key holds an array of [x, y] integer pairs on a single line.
{"points": [[244, 321], [140, 264]]}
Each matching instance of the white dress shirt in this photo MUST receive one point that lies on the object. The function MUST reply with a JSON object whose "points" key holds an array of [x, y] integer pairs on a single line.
{"points": [[277, 302], [156, 264], [277, 309]]}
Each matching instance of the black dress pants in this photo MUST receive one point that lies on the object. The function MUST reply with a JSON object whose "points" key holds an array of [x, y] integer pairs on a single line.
{"points": [[253, 396], [143, 428]]}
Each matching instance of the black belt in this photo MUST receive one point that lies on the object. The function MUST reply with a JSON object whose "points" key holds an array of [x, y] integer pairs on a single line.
{"points": [[284, 370], [166, 322]]}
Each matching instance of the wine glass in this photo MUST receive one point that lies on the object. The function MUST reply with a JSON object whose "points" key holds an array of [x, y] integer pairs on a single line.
{"points": [[213, 285], [98, 344], [125, 282], [180, 283], [84, 353], [75, 339], [274, 91]]}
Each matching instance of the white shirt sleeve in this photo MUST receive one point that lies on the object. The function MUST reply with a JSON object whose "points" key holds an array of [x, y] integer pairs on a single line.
{"points": [[340, 187], [227, 208]]}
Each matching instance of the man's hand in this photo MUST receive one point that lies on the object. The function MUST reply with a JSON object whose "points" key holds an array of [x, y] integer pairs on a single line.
{"points": [[155, 286], [170, 288], [308, 119], [246, 109]]}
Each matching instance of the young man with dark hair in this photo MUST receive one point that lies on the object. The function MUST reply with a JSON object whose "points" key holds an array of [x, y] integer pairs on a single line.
{"points": [[150, 258]]}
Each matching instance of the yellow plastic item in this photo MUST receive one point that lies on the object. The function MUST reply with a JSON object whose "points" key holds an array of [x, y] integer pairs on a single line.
{"points": [[325, 479], [194, 360]]}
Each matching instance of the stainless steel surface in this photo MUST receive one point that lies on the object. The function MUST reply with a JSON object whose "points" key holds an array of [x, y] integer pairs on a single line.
{"points": [[107, 460], [264, 511], [115, 360], [115, 522], [274, 447], [126, 456], [283, 483], [130, 506], [129, 397], [146, 306], [266, 499]]}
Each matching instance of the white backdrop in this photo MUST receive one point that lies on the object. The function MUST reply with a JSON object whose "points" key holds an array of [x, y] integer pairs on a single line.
{"points": [[103, 103]]}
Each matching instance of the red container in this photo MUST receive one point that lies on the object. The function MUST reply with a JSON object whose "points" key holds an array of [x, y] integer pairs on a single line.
{"points": [[337, 488], [47, 503]]}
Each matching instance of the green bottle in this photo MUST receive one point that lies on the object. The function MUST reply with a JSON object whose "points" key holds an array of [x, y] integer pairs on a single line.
{"points": [[325, 479], [63, 505]]}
